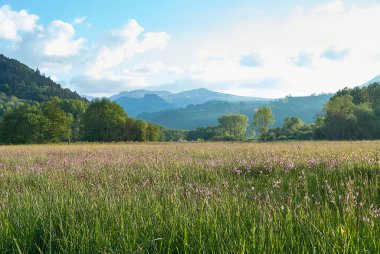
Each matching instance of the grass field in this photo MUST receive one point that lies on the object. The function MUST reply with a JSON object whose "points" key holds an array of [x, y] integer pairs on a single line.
{"points": [[311, 197]]}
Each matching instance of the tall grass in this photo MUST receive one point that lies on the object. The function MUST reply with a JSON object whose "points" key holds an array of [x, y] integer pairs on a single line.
{"points": [[311, 197]]}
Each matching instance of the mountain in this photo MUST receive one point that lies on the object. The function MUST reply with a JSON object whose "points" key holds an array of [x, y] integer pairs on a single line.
{"points": [[374, 80], [17, 79], [141, 93], [183, 99], [144, 101], [207, 114], [203, 95], [148, 103]]}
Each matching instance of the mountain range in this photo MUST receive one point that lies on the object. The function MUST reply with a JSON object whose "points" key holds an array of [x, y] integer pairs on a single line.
{"points": [[145, 101], [184, 110], [202, 107], [207, 114]]}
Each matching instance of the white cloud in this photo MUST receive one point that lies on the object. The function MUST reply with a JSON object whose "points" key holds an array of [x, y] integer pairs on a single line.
{"points": [[130, 57], [58, 40], [79, 20], [349, 31], [127, 42], [13, 23], [156, 68]]}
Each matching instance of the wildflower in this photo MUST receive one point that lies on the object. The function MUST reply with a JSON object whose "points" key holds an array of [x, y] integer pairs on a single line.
{"points": [[276, 183]]}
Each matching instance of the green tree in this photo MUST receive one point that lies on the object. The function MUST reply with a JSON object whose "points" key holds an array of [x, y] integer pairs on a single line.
{"points": [[77, 109], [340, 119], [292, 125], [140, 130], [234, 126], [263, 120], [153, 132], [365, 121], [58, 122], [173, 135], [26, 124], [104, 121]]}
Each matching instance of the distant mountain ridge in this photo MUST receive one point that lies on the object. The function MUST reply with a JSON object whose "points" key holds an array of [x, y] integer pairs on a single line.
{"points": [[194, 96], [136, 102], [374, 80], [207, 114]]}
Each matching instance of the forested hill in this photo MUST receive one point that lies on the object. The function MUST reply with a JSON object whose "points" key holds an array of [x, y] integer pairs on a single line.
{"points": [[17, 79]]}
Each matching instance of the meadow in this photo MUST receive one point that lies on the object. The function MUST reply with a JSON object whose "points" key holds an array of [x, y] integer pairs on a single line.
{"points": [[309, 197]]}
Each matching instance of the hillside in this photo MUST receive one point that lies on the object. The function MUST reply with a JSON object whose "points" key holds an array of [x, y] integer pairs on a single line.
{"points": [[207, 114], [17, 79], [148, 103], [140, 94]]}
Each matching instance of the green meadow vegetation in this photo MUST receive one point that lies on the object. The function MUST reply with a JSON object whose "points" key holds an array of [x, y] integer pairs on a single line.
{"points": [[305, 197]]}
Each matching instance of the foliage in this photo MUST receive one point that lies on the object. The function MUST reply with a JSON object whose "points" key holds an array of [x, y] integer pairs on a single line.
{"points": [[352, 114], [17, 79], [173, 135], [24, 125], [233, 126], [263, 120], [207, 133], [41, 123], [73, 120], [58, 123], [293, 128], [104, 121]]}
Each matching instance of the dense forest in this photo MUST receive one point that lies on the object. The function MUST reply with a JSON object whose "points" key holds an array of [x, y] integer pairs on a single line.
{"points": [[19, 80], [58, 120]]}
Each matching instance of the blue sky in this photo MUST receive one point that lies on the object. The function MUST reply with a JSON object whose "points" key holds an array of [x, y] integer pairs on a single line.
{"points": [[258, 48]]}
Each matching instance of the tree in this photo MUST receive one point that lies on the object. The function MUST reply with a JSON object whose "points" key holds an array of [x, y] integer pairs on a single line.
{"points": [[173, 135], [340, 119], [292, 125], [104, 121], [234, 126], [140, 130], [58, 122], [153, 132], [263, 120], [77, 109], [26, 124]]}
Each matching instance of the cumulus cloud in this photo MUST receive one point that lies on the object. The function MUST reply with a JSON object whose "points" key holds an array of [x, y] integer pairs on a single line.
{"points": [[131, 57], [14, 23], [334, 54], [251, 60], [127, 42], [58, 40], [300, 38]]}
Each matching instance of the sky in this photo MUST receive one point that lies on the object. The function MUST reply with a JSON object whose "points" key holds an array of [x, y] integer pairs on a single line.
{"points": [[246, 47]]}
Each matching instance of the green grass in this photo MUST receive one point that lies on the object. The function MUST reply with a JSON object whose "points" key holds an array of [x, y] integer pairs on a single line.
{"points": [[314, 197]]}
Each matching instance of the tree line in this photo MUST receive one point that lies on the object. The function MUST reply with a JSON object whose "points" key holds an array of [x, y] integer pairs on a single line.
{"points": [[58, 120], [349, 115]]}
